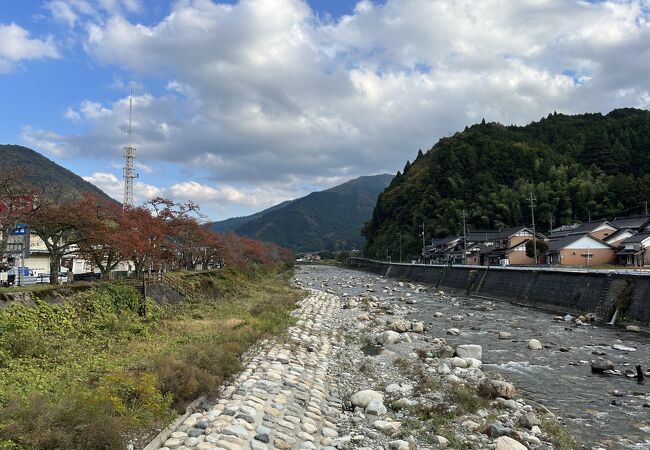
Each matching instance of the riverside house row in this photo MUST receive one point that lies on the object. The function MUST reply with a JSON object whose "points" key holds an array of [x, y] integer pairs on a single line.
{"points": [[624, 242]]}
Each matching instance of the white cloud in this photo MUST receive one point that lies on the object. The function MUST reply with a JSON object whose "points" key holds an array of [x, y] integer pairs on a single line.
{"points": [[18, 46], [228, 195], [71, 12], [63, 12], [215, 202], [114, 187], [264, 93]]}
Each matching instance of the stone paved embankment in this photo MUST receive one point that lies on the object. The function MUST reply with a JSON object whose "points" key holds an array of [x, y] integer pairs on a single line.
{"points": [[282, 399]]}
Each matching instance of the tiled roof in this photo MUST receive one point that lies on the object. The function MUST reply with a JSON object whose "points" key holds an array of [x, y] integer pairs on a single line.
{"points": [[635, 222], [481, 235], [617, 233], [636, 238], [445, 240], [583, 228], [558, 244]]}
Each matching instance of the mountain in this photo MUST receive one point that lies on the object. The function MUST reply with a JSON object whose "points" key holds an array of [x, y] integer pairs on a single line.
{"points": [[577, 167], [55, 180], [235, 222], [325, 220]]}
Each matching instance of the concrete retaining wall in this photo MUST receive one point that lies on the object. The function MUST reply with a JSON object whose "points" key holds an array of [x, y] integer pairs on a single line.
{"points": [[559, 291]]}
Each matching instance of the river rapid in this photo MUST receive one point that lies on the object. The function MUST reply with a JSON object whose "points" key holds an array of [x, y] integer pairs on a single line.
{"points": [[608, 411]]}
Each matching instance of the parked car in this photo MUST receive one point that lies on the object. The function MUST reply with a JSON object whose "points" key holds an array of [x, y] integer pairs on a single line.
{"points": [[45, 278]]}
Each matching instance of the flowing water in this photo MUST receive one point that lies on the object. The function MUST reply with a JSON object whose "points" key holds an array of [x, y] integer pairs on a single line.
{"points": [[558, 377]]}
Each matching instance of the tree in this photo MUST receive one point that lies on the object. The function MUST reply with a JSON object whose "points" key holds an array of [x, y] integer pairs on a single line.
{"points": [[147, 235], [542, 248], [58, 225], [181, 222], [102, 237], [17, 203], [599, 152]]}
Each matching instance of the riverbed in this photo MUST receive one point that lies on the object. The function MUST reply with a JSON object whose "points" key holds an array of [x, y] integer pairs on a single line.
{"points": [[610, 411]]}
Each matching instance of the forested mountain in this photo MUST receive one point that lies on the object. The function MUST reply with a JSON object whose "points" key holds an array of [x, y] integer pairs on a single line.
{"points": [[577, 167], [235, 222], [325, 220], [55, 181]]}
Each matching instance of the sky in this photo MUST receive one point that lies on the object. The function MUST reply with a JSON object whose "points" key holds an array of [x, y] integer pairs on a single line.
{"points": [[242, 104]]}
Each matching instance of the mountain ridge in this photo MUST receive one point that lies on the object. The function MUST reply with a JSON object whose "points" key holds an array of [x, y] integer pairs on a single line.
{"points": [[54, 179], [324, 220]]}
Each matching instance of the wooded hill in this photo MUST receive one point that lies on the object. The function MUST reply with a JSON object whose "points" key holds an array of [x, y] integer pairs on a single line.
{"points": [[577, 167], [55, 181], [326, 220]]}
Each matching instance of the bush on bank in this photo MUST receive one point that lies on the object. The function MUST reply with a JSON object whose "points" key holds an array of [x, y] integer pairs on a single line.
{"points": [[89, 372]]}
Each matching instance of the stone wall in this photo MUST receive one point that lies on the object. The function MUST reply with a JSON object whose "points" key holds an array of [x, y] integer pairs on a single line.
{"points": [[558, 291]]}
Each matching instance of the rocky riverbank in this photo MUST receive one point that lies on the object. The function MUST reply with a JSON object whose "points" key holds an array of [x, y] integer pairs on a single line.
{"points": [[355, 372]]}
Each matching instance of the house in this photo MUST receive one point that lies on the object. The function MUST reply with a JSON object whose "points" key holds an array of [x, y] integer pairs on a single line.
{"points": [[477, 253], [440, 250], [599, 229], [510, 247], [479, 243], [580, 250], [633, 251], [481, 236], [618, 236], [634, 223]]}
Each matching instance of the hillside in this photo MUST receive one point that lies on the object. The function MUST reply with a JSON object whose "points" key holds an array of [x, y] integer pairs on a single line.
{"points": [[325, 220], [577, 167], [235, 222], [55, 180]]}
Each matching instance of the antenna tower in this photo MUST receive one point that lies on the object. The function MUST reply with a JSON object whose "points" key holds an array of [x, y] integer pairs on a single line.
{"points": [[129, 157]]}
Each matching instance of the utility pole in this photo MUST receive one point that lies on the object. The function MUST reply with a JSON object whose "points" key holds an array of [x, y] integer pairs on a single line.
{"points": [[550, 220], [400, 246], [532, 214], [423, 243], [646, 208], [464, 214]]}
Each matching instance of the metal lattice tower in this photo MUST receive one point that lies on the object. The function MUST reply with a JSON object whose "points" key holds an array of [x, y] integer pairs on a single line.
{"points": [[129, 158]]}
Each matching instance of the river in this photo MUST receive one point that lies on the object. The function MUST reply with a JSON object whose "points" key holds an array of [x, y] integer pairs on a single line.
{"points": [[558, 377]]}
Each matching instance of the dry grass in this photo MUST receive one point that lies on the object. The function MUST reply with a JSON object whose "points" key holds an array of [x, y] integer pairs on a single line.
{"points": [[104, 374]]}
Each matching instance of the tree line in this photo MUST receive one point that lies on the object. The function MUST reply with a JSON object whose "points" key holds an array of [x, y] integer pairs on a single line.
{"points": [[159, 235]]}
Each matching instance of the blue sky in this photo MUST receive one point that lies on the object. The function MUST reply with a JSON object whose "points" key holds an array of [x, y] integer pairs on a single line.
{"points": [[243, 104]]}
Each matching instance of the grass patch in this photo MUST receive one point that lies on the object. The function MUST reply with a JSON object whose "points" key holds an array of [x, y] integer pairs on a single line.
{"points": [[450, 403], [83, 374], [559, 435]]}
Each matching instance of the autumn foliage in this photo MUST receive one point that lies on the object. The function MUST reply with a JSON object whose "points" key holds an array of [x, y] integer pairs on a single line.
{"points": [[161, 235]]}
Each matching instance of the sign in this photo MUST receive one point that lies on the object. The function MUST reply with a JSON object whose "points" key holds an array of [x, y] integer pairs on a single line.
{"points": [[14, 248], [21, 229]]}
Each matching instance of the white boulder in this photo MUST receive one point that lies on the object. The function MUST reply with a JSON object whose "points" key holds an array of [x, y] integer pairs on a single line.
{"points": [[470, 351], [363, 398]]}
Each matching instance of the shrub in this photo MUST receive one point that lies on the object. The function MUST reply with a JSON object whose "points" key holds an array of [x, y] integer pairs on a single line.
{"points": [[198, 369], [71, 422], [134, 396], [183, 380]]}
